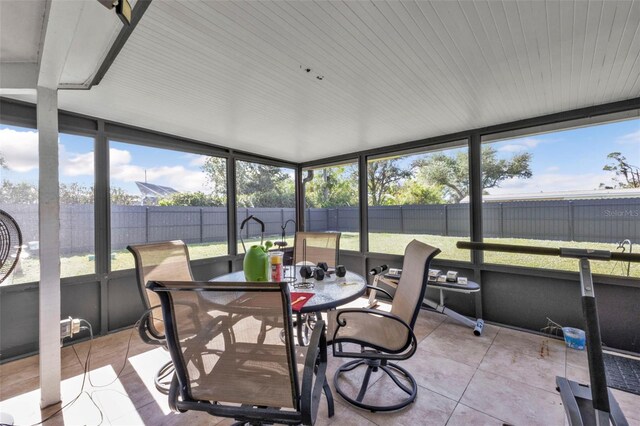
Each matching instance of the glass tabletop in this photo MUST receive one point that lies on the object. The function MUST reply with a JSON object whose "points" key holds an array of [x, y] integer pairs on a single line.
{"points": [[327, 294]]}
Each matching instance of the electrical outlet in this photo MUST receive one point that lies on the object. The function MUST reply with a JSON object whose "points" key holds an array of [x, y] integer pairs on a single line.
{"points": [[65, 328], [75, 326], [69, 327]]}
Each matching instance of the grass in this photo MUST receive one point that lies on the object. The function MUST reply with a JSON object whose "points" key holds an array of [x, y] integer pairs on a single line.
{"points": [[563, 264], [395, 244], [378, 242]]}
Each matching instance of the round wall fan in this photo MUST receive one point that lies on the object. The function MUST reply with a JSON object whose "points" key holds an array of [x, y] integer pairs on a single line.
{"points": [[10, 244]]}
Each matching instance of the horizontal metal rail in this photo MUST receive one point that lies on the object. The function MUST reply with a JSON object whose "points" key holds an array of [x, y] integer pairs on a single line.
{"points": [[549, 251]]}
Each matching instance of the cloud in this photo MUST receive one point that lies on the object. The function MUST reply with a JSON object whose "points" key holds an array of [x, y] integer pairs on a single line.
{"points": [[20, 152], [630, 138], [74, 163], [520, 145], [119, 156], [178, 177], [552, 169], [189, 180], [553, 182], [19, 149], [196, 160]]}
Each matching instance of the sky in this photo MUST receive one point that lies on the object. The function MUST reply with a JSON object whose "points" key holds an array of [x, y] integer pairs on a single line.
{"points": [[176, 169], [572, 159], [562, 161], [128, 163], [569, 160]]}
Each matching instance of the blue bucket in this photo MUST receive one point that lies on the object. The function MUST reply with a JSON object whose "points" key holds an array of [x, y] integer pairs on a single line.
{"points": [[574, 338]]}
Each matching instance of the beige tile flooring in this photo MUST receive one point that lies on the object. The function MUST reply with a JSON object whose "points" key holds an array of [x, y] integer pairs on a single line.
{"points": [[505, 376]]}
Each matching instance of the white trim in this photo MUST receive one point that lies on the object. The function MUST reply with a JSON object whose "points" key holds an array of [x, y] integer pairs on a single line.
{"points": [[49, 225]]}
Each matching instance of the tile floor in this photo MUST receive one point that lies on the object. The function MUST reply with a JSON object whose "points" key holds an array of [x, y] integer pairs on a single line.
{"points": [[505, 376]]}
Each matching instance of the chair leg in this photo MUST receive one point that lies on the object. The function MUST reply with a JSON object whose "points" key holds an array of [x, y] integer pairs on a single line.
{"points": [[373, 365], [365, 383], [329, 395], [302, 330]]}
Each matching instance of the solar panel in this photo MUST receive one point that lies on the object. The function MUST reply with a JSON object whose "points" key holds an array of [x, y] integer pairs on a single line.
{"points": [[150, 189]]}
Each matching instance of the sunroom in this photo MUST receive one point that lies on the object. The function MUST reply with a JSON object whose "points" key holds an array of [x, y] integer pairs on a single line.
{"points": [[447, 122]]}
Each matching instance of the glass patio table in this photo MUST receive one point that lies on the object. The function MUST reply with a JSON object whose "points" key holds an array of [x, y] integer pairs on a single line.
{"points": [[328, 293]]}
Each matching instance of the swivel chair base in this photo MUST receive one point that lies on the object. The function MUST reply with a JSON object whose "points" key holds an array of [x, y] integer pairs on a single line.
{"points": [[163, 377], [373, 365]]}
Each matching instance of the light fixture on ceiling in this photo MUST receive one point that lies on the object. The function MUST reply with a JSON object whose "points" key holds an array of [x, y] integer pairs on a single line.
{"points": [[123, 9]]}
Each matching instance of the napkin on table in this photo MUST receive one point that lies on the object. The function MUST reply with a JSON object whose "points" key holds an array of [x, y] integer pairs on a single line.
{"points": [[296, 303]]}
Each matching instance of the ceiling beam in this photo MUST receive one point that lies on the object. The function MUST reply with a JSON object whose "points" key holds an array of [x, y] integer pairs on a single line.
{"points": [[61, 22], [138, 11]]}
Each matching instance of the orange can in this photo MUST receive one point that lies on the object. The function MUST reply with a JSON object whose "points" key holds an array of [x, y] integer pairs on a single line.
{"points": [[277, 267]]}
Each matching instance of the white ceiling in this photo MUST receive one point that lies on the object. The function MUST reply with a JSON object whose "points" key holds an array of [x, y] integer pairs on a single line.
{"points": [[97, 29], [20, 29], [78, 32], [229, 72]]}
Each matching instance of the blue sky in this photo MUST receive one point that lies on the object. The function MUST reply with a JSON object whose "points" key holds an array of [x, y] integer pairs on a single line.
{"points": [[567, 160], [128, 162], [571, 159]]}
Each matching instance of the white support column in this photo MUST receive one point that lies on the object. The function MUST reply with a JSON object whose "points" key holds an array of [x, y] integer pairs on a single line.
{"points": [[49, 215], [61, 23]]}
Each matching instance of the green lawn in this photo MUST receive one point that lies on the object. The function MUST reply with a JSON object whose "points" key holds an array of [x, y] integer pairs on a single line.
{"points": [[378, 242], [564, 264], [395, 244]]}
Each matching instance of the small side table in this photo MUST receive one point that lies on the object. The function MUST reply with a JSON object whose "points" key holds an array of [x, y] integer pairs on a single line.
{"points": [[469, 287]]}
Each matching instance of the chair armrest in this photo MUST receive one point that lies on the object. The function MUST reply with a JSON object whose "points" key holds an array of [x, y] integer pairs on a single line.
{"points": [[412, 342], [374, 288], [315, 363], [144, 330]]}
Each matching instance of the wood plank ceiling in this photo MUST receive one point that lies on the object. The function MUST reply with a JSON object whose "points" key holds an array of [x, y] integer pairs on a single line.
{"points": [[233, 73]]}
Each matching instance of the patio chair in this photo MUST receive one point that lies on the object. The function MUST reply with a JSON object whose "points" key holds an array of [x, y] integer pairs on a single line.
{"points": [[382, 336], [167, 260], [233, 369], [321, 247]]}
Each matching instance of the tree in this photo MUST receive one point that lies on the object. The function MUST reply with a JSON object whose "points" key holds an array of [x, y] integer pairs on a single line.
{"points": [[215, 170], [74, 193], [452, 172], [415, 192], [335, 186], [121, 198], [18, 193], [257, 185], [627, 175], [196, 199], [384, 178]]}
